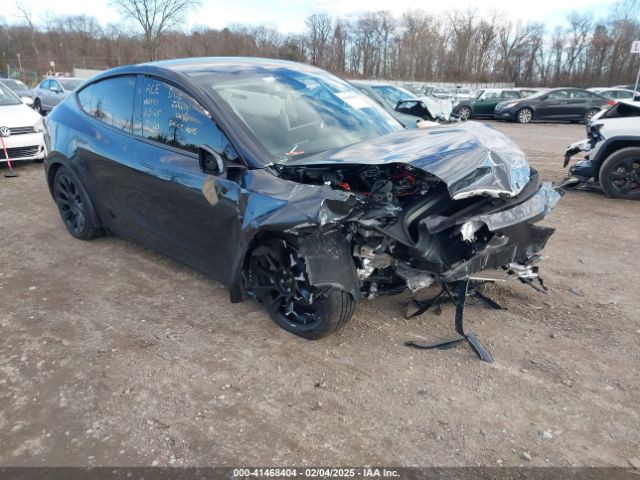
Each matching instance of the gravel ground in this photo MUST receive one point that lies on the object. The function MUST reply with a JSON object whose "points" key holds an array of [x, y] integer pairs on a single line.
{"points": [[113, 355]]}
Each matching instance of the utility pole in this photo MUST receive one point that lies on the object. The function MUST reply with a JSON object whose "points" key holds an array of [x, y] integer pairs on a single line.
{"points": [[20, 67], [635, 48]]}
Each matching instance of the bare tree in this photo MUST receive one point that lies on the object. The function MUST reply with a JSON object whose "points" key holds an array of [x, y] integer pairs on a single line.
{"points": [[25, 14], [155, 17]]}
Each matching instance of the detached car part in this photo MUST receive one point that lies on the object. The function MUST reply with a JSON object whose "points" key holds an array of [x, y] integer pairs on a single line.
{"points": [[291, 187], [612, 153]]}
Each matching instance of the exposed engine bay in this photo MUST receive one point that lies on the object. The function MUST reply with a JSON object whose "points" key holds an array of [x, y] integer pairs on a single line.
{"points": [[410, 233]]}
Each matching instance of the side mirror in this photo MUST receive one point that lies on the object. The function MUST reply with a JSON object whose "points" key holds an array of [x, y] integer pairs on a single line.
{"points": [[544, 97], [54, 89], [210, 161]]}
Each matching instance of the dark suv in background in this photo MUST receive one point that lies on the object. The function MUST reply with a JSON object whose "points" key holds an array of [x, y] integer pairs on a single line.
{"points": [[568, 104]]}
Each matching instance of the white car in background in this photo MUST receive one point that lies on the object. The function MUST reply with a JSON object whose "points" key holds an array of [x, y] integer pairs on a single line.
{"points": [[612, 148], [615, 93], [21, 129]]}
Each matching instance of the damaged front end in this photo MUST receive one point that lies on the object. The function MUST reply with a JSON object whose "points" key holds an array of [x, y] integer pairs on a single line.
{"points": [[451, 205], [610, 130]]}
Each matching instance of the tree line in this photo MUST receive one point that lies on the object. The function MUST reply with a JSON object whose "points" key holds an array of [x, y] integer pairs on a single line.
{"points": [[458, 46]]}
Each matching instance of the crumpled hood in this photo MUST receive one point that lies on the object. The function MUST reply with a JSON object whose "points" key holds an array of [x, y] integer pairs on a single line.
{"points": [[469, 157]]}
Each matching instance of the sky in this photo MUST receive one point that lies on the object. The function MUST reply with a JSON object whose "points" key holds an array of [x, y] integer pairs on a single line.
{"points": [[288, 15]]}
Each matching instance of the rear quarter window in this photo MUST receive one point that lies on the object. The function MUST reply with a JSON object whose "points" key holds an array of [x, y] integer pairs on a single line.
{"points": [[110, 101]]}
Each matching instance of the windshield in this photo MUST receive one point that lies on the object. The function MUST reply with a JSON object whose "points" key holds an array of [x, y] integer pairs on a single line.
{"points": [[69, 84], [392, 95], [15, 84], [7, 97], [296, 114]]}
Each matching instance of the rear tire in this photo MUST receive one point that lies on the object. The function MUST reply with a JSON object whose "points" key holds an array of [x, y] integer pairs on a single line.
{"points": [[277, 278], [620, 174], [74, 206], [524, 115]]}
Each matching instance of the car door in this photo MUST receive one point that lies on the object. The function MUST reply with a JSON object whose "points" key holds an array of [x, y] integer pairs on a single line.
{"points": [[487, 104], [105, 146], [478, 105], [56, 94], [194, 215], [553, 106], [579, 102]]}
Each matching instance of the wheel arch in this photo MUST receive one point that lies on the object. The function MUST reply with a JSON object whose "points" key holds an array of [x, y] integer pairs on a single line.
{"points": [[55, 161], [528, 107], [324, 253], [612, 145]]}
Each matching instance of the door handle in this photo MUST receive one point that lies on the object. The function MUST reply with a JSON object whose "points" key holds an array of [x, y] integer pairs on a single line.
{"points": [[146, 165]]}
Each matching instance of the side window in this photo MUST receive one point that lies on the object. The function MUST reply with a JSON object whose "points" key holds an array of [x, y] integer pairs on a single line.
{"points": [[491, 95], [84, 97], [558, 95], [510, 94], [45, 85], [110, 101], [172, 117], [579, 94]]}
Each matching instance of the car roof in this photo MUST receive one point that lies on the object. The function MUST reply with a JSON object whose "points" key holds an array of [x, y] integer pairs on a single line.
{"points": [[373, 83], [199, 65], [63, 78]]}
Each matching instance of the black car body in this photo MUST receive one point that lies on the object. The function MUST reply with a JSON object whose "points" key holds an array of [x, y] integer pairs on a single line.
{"points": [[562, 104], [282, 182]]}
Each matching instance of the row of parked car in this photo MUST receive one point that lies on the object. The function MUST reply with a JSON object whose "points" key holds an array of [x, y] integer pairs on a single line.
{"points": [[414, 110], [292, 188], [522, 105]]}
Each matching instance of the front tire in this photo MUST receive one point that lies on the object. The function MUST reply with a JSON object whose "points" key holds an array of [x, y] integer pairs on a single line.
{"points": [[277, 278], [464, 113], [524, 115], [74, 206], [620, 174], [37, 106]]}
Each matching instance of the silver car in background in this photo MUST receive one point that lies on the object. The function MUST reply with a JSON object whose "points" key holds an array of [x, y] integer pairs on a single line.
{"points": [[51, 91]]}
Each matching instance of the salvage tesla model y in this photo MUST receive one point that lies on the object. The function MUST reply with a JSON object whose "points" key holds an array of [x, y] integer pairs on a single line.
{"points": [[290, 186]]}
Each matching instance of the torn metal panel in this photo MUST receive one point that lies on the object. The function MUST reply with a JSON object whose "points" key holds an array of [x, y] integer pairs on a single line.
{"points": [[470, 158], [537, 206], [325, 255]]}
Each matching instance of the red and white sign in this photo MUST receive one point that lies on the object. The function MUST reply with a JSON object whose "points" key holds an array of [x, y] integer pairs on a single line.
{"points": [[635, 47]]}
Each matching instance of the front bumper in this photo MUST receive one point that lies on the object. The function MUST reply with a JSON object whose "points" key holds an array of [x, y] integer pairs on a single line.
{"points": [[516, 239], [583, 169], [28, 146], [507, 114]]}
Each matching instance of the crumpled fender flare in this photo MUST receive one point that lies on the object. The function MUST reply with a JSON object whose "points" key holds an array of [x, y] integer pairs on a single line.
{"points": [[327, 255]]}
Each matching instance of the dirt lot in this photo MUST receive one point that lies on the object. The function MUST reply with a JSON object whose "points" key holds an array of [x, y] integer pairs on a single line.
{"points": [[112, 355]]}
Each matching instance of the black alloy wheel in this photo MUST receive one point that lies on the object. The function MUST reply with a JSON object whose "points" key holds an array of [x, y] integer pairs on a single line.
{"points": [[73, 206], [278, 279], [620, 174]]}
